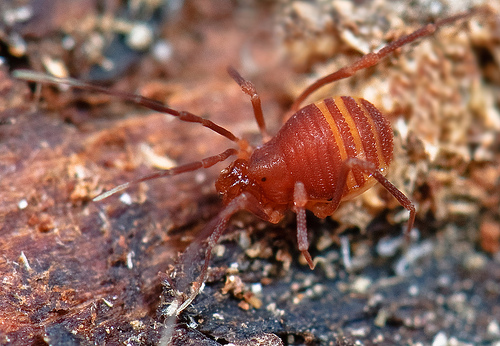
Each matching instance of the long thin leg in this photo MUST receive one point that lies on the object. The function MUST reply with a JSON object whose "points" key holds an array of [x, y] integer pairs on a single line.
{"points": [[299, 201], [215, 228], [189, 167], [137, 99], [248, 88], [369, 169], [372, 59]]}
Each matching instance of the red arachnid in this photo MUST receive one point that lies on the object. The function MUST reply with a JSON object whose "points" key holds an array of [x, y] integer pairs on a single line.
{"points": [[327, 152]]}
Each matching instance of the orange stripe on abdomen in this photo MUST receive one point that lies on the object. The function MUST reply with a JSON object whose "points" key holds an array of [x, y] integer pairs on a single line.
{"points": [[364, 128], [359, 130], [383, 132], [337, 117], [325, 111]]}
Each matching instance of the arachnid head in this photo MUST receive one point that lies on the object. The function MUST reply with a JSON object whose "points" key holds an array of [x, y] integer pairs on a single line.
{"points": [[264, 175]]}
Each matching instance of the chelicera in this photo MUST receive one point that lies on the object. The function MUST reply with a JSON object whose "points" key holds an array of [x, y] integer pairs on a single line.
{"points": [[327, 152]]}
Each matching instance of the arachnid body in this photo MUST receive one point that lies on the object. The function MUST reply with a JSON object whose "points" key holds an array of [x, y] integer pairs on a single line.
{"points": [[327, 152]]}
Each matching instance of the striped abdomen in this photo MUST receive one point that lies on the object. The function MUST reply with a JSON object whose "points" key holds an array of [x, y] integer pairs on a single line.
{"points": [[316, 140]]}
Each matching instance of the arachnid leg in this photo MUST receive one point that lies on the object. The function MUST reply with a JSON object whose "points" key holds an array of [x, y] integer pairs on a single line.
{"points": [[299, 201], [214, 229], [248, 88], [370, 169]]}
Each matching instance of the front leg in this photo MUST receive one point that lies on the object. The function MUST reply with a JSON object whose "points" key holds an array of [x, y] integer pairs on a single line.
{"points": [[300, 199], [188, 284]]}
